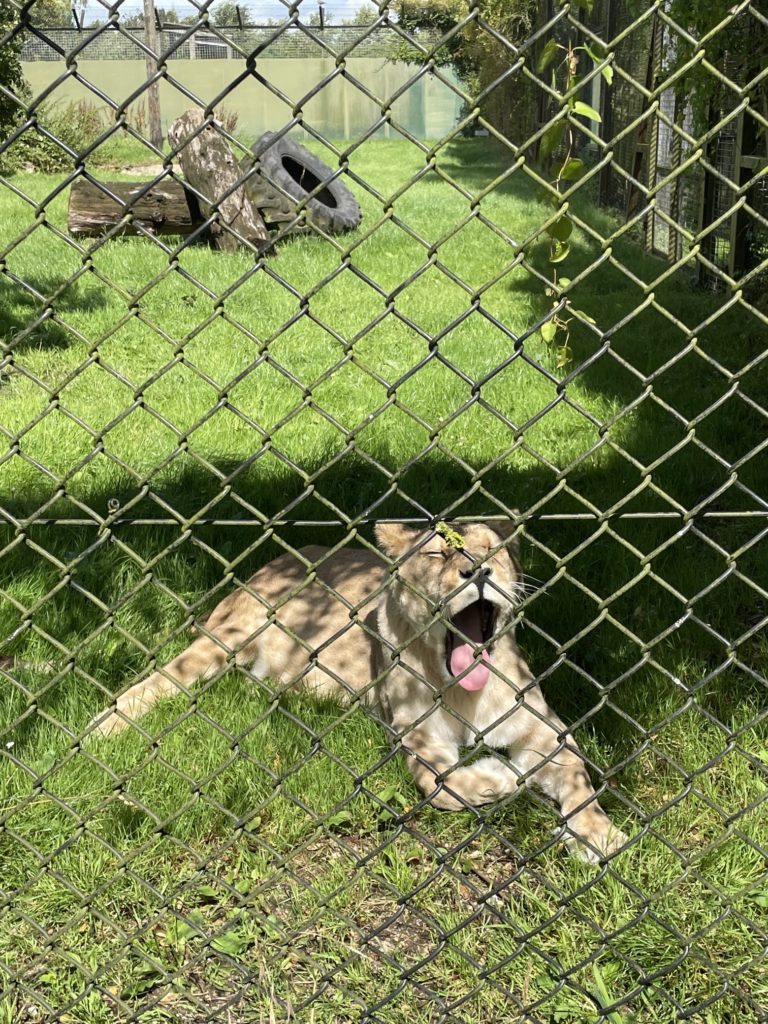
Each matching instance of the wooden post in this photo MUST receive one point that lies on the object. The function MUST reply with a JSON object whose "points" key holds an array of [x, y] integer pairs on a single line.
{"points": [[640, 160], [152, 41], [211, 169]]}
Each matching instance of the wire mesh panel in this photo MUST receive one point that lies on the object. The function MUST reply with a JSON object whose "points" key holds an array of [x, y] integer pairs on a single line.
{"points": [[383, 517]]}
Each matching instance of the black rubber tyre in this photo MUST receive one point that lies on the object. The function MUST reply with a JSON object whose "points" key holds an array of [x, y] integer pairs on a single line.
{"points": [[298, 172]]}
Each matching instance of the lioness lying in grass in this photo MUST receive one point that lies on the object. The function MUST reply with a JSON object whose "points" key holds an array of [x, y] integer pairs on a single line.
{"points": [[424, 637]]}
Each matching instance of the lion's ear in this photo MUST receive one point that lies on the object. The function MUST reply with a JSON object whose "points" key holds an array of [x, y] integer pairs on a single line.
{"points": [[396, 540], [506, 528]]}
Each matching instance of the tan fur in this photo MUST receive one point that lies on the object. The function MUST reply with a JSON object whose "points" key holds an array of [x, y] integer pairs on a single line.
{"points": [[358, 625]]}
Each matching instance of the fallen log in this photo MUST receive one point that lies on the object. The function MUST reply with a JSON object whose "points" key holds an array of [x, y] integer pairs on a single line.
{"points": [[163, 210], [211, 169]]}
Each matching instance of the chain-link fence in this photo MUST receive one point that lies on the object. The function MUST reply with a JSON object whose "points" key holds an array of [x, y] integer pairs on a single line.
{"points": [[464, 405]]}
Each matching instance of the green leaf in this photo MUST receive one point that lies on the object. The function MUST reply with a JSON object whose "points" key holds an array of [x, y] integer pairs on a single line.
{"points": [[573, 169], [551, 139], [196, 922], [146, 977], [559, 251], [561, 229], [547, 55], [231, 942], [584, 316], [549, 197], [548, 331], [392, 795], [272, 927], [178, 931], [564, 356], [585, 5], [607, 71], [339, 820], [584, 109], [603, 995], [596, 51]]}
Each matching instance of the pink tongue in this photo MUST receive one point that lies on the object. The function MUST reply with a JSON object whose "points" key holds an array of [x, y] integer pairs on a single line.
{"points": [[462, 657]]}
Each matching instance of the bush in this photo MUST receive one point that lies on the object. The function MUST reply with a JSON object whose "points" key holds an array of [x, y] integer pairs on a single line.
{"points": [[76, 124], [228, 118]]}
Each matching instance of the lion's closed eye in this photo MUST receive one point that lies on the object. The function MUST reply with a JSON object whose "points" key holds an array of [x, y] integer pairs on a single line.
{"points": [[435, 552]]}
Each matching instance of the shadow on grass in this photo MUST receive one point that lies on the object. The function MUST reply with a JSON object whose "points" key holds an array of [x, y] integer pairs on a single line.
{"points": [[476, 163], [588, 631], [25, 319]]}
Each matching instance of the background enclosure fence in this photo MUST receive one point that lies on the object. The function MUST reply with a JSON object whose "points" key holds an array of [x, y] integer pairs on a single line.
{"points": [[552, 314]]}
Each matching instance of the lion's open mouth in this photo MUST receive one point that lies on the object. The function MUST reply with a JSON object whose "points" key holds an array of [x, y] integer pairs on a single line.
{"points": [[477, 623]]}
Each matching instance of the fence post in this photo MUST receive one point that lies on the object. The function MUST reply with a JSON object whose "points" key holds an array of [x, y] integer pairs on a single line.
{"points": [[606, 112]]}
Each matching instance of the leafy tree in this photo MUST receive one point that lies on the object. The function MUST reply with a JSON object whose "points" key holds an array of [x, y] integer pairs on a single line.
{"points": [[739, 49], [11, 78], [52, 13], [478, 56], [366, 14], [174, 17], [165, 15], [132, 20], [225, 13]]}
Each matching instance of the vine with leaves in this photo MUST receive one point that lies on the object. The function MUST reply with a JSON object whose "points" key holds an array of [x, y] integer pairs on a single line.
{"points": [[556, 150]]}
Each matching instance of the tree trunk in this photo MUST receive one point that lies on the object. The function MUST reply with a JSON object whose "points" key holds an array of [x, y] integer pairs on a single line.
{"points": [[153, 91], [211, 169]]}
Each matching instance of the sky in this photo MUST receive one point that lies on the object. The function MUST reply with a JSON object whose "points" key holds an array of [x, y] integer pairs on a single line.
{"points": [[258, 10]]}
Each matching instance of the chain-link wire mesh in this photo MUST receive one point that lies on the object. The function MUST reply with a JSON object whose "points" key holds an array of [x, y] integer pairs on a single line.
{"points": [[526, 393]]}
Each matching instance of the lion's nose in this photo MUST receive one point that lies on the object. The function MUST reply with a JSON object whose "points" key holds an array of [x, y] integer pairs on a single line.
{"points": [[482, 572]]}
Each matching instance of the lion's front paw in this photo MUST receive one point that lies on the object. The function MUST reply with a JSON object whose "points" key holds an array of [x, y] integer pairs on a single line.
{"points": [[445, 800], [112, 721], [596, 843], [471, 787]]}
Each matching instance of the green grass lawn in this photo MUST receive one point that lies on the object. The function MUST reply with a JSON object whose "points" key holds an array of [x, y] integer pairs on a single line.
{"points": [[265, 859]]}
